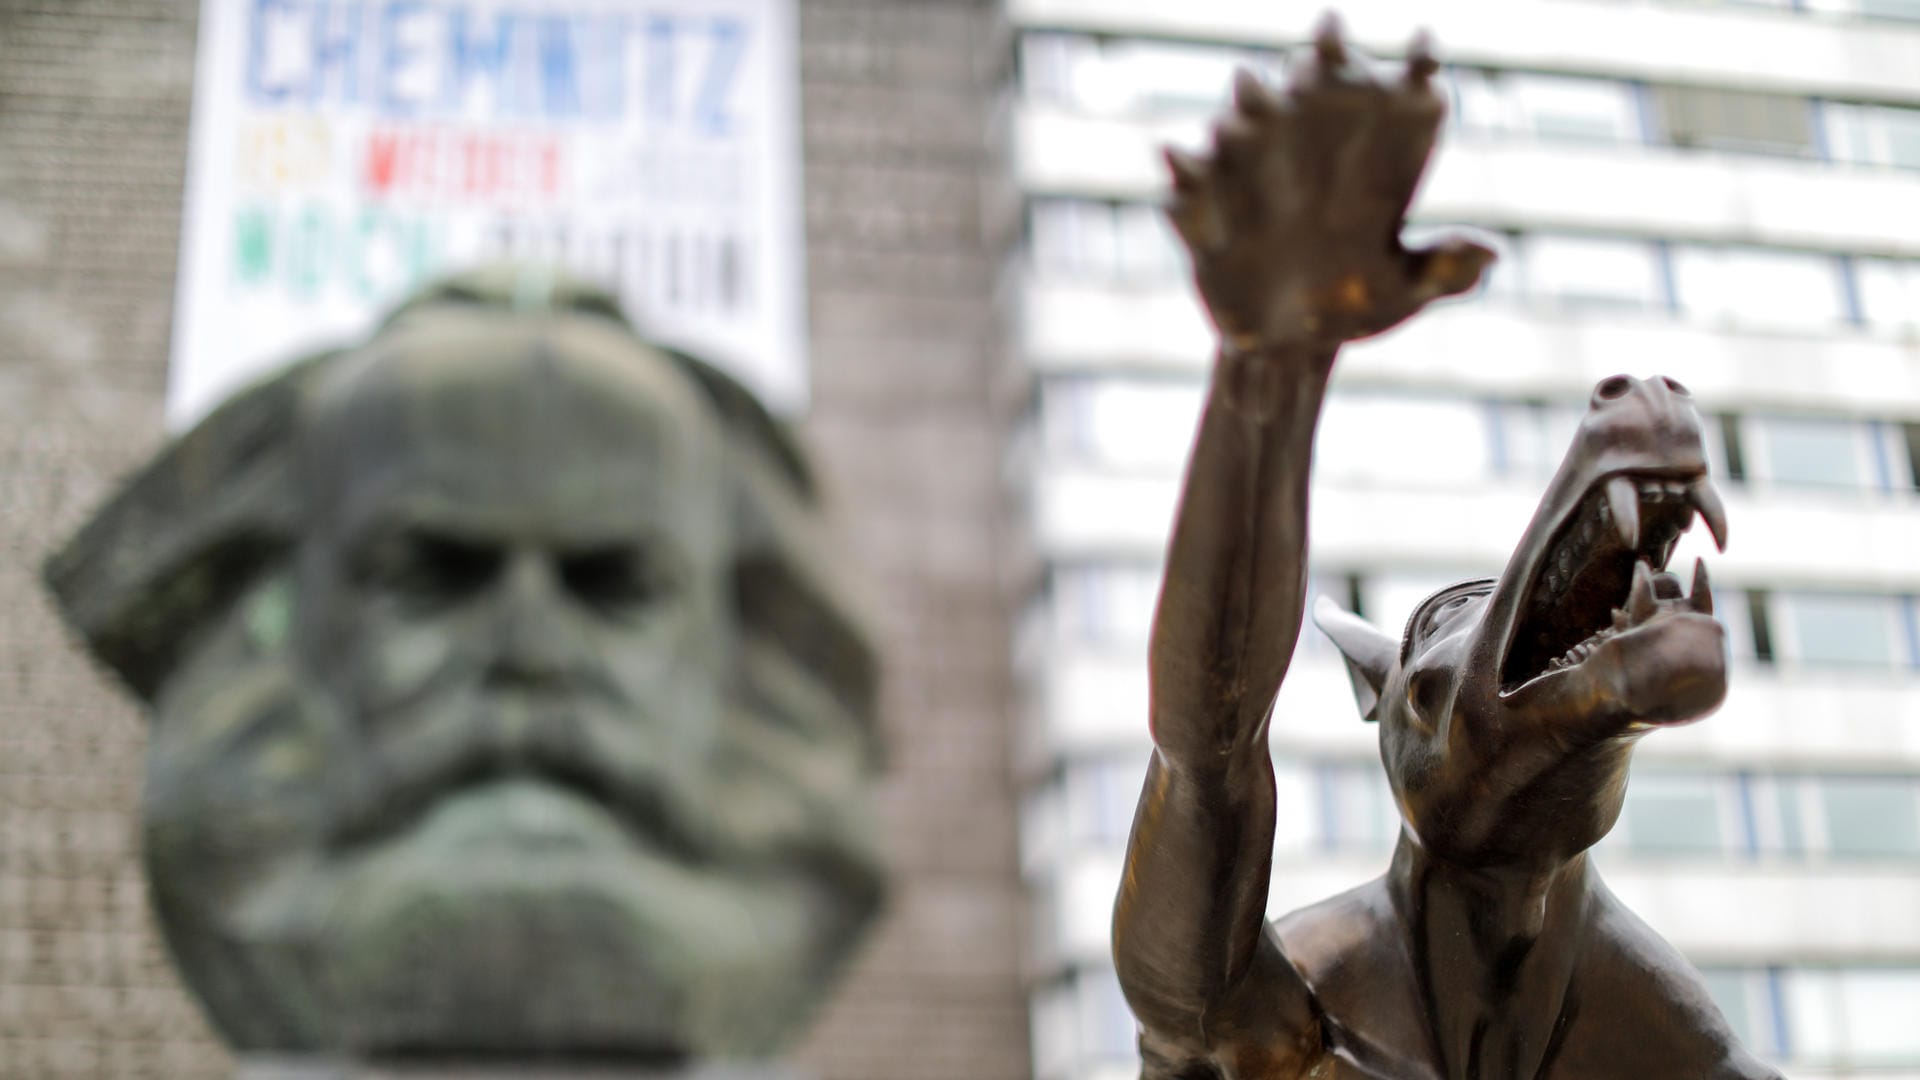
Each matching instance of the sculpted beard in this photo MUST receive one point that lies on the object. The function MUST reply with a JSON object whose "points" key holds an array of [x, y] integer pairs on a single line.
{"points": [[695, 906]]}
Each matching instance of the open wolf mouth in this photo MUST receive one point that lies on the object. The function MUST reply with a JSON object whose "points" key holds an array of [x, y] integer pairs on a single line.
{"points": [[1604, 572]]}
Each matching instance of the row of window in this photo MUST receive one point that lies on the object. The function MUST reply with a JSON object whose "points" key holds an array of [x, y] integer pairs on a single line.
{"points": [[1732, 285], [1110, 605], [1427, 441], [1811, 1017], [1147, 79], [1347, 807], [1898, 10]]}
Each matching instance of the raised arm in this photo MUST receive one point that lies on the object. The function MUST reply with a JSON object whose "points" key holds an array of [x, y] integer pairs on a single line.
{"points": [[1292, 223]]}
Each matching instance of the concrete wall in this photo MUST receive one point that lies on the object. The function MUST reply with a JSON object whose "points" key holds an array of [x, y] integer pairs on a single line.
{"points": [[94, 101]]}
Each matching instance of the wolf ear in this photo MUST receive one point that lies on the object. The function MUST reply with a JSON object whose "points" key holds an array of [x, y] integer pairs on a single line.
{"points": [[1369, 653]]}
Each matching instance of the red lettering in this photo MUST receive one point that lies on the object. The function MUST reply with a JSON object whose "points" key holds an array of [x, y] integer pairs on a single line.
{"points": [[382, 152]]}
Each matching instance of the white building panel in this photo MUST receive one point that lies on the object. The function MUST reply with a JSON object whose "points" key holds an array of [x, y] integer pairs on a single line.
{"points": [[1713, 45], [1619, 188]]}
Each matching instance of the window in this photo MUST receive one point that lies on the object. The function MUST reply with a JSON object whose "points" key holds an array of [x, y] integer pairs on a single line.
{"points": [[1869, 817], [1546, 106], [1681, 814], [1889, 292], [1873, 134], [1531, 438], [1104, 603], [1104, 242], [1808, 452], [1744, 996], [1357, 811], [1735, 120], [1132, 77], [1146, 248], [1099, 796], [1839, 629], [1902, 10], [1759, 288], [1853, 1016], [1134, 424], [1403, 441], [1594, 271]]}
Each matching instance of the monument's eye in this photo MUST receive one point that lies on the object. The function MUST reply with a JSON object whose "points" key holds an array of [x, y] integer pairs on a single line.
{"points": [[430, 569], [1614, 388], [615, 578]]}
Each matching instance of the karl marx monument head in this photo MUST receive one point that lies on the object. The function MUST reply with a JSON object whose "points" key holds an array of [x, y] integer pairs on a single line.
{"points": [[503, 698]]}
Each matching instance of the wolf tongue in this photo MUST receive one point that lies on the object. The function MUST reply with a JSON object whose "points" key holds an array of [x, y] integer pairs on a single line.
{"points": [[1640, 599], [1623, 499]]}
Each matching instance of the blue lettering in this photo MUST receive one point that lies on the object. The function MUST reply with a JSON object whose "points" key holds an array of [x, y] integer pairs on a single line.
{"points": [[609, 75], [335, 50], [723, 66], [469, 57], [659, 69], [559, 85], [395, 55], [257, 86]]}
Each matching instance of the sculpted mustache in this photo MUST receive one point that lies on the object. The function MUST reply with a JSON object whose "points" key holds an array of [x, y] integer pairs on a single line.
{"points": [[646, 801]]}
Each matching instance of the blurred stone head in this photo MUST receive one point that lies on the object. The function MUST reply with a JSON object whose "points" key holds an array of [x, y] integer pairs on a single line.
{"points": [[504, 698]]}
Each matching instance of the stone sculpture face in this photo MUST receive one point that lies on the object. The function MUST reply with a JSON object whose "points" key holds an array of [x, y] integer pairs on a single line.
{"points": [[532, 728]]}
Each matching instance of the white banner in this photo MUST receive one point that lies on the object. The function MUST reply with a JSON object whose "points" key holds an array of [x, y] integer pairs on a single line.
{"points": [[345, 150]]}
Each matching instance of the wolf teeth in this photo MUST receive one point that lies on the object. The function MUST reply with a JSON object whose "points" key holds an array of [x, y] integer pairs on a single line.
{"points": [[1707, 500], [1624, 501], [1700, 597], [1641, 602]]}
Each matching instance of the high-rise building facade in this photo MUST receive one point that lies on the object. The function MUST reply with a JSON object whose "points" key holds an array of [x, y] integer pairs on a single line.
{"points": [[1728, 194]]}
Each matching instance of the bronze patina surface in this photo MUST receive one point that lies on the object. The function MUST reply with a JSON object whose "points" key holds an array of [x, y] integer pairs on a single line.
{"points": [[506, 700], [1508, 710]]}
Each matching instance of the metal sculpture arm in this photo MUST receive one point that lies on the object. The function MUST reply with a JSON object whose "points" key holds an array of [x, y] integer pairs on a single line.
{"points": [[1292, 223]]}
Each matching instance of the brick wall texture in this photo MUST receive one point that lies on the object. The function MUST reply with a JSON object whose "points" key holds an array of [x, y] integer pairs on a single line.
{"points": [[896, 95]]}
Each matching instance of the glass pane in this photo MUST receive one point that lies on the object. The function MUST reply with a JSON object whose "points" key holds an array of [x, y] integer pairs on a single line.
{"points": [[1813, 1023], [1556, 107], [1789, 801], [1881, 1007], [1074, 237], [1730, 988], [1871, 816], [1676, 814], [1173, 76], [1753, 287], [1404, 441], [1889, 292], [1139, 424], [1055, 1031], [1810, 452], [1109, 1023], [1051, 63], [1478, 103], [1100, 798], [1357, 809], [1581, 270], [1104, 603], [1148, 250], [1838, 629]]}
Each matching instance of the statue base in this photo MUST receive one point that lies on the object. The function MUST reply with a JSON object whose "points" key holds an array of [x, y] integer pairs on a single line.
{"points": [[306, 1068]]}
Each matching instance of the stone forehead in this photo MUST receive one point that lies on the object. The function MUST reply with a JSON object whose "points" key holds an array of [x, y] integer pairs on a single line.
{"points": [[439, 369], [502, 404]]}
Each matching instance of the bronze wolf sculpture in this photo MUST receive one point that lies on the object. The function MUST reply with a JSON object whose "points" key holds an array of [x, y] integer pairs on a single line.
{"points": [[1507, 711]]}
